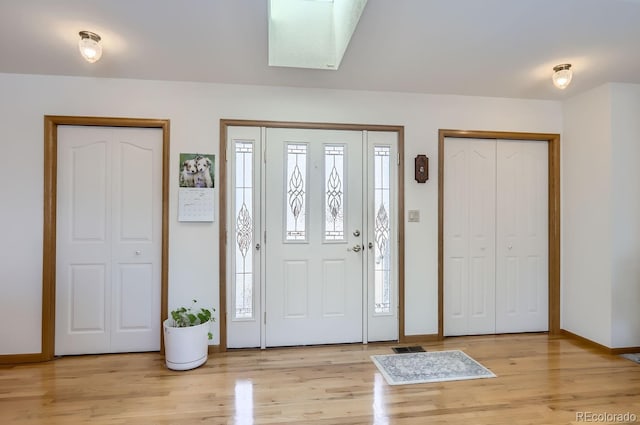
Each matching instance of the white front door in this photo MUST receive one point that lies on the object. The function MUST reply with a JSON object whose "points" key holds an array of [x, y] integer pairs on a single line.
{"points": [[314, 223], [109, 238], [313, 236]]}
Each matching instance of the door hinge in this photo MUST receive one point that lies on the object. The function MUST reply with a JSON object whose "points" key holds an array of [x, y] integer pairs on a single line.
{"points": [[265, 237], [398, 158]]}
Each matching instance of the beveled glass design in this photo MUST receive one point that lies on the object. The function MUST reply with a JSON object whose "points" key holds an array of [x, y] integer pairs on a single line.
{"points": [[382, 230], [243, 231], [295, 189], [334, 193]]}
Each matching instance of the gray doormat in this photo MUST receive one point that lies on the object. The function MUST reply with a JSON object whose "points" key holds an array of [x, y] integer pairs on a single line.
{"points": [[634, 357], [434, 366]]}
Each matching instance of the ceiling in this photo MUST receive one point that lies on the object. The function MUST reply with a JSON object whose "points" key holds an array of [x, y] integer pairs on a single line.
{"points": [[503, 48]]}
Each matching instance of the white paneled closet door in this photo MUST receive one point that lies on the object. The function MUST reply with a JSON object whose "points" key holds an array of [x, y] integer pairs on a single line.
{"points": [[522, 289], [495, 236], [469, 236], [109, 240]]}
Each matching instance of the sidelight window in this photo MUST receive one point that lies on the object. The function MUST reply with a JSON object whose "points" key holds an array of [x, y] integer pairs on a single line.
{"points": [[244, 230], [382, 230]]}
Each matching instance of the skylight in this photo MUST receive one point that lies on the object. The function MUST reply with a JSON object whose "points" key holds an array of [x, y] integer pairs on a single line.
{"points": [[311, 33]]}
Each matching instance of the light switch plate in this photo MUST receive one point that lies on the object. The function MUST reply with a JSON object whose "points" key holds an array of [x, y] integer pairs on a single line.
{"points": [[414, 216]]}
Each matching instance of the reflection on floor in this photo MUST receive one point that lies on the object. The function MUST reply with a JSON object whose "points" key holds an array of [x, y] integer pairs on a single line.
{"points": [[541, 380]]}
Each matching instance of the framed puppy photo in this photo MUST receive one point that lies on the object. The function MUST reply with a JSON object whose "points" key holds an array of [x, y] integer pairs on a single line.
{"points": [[197, 186]]}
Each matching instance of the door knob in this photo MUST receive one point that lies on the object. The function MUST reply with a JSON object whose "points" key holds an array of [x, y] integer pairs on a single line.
{"points": [[357, 248], [138, 252]]}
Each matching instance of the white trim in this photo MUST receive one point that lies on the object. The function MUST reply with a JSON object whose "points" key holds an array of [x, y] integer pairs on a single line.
{"points": [[366, 270], [262, 236]]}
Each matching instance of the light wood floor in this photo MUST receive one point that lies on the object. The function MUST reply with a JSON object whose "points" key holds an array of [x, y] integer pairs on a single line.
{"points": [[541, 380]]}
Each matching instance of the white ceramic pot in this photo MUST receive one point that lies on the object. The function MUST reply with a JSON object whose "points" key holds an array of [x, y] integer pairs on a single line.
{"points": [[185, 348]]}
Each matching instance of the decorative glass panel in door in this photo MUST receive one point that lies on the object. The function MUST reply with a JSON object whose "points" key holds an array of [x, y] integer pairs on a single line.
{"points": [[381, 228], [296, 188], [243, 230], [334, 201]]}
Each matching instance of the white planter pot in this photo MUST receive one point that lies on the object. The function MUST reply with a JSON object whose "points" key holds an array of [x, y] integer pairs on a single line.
{"points": [[185, 348]]}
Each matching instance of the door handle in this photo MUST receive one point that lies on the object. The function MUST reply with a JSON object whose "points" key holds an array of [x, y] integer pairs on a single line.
{"points": [[356, 248]]}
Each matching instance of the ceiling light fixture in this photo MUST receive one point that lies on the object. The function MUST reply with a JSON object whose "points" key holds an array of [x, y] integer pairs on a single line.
{"points": [[90, 47], [562, 75]]}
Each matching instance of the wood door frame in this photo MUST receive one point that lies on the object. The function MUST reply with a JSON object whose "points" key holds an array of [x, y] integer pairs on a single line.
{"points": [[224, 124], [51, 123], [553, 142]]}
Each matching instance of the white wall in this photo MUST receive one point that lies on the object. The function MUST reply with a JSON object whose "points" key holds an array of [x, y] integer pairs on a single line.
{"points": [[586, 215], [626, 215], [601, 215], [195, 110]]}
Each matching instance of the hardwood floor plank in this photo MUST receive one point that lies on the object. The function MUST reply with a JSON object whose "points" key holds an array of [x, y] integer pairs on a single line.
{"points": [[540, 380]]}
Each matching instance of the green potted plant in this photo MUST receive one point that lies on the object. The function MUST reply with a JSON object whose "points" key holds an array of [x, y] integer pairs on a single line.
{"points": [[186, 336]]}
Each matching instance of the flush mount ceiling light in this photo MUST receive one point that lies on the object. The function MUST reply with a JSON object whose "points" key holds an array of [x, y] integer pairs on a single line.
{"points": [[562, 75], [90, 47], [311, 33]]}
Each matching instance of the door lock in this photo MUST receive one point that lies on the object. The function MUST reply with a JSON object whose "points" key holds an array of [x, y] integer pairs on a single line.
{"points": [[356, 233]]}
